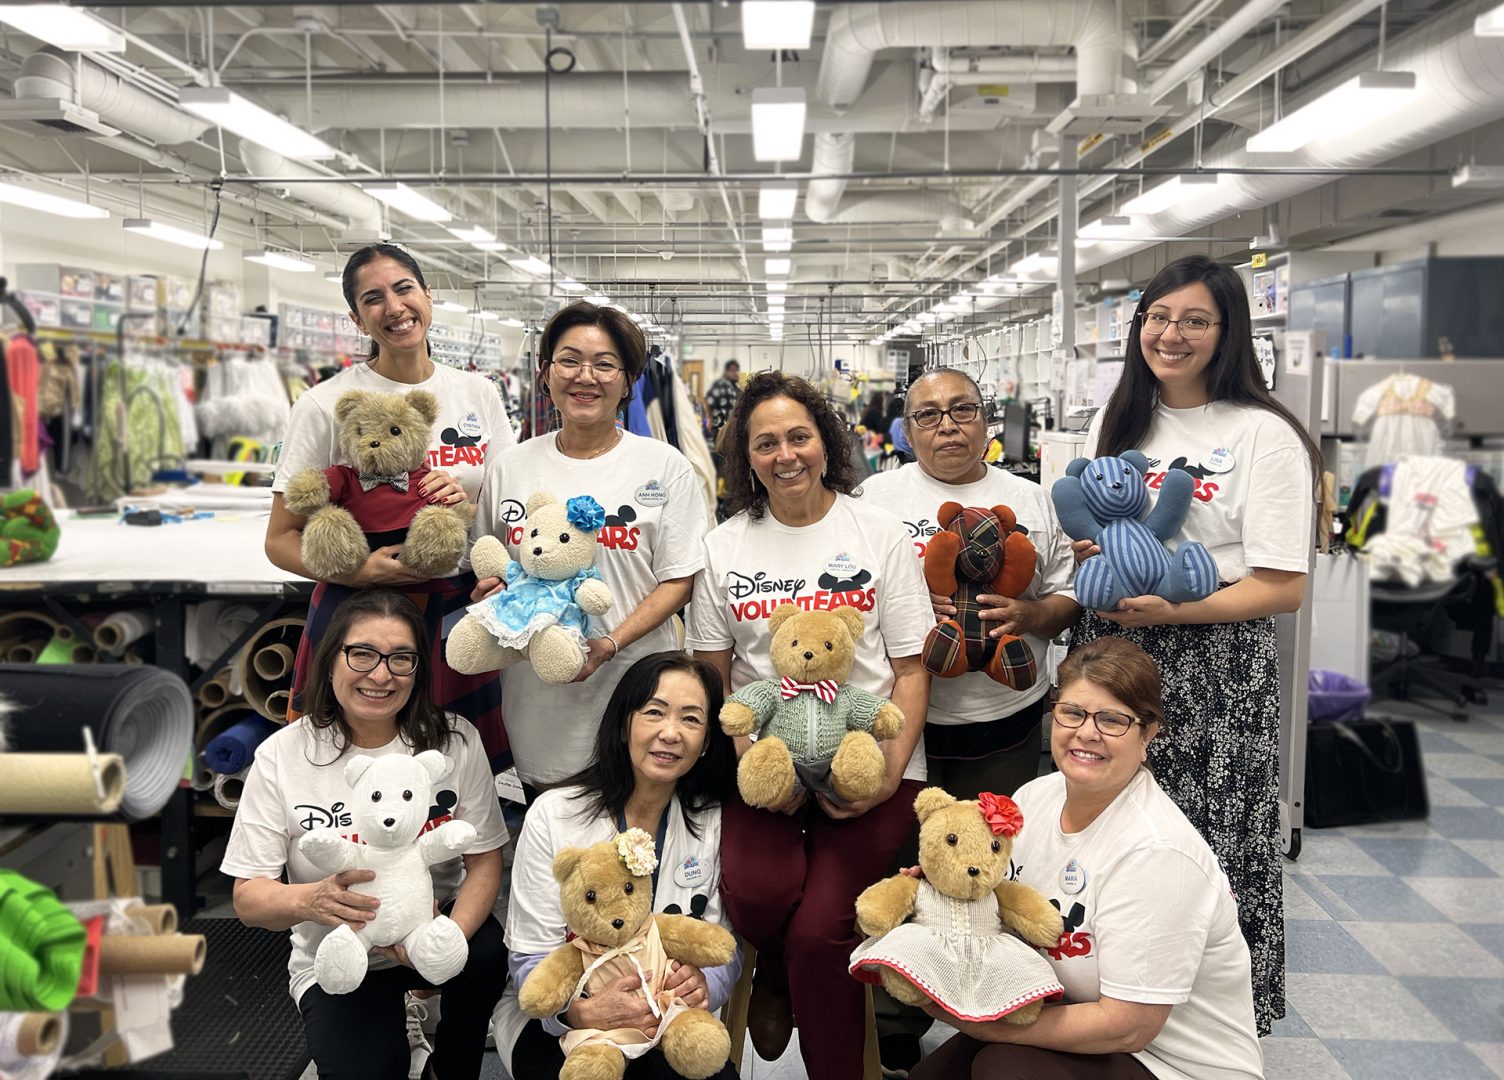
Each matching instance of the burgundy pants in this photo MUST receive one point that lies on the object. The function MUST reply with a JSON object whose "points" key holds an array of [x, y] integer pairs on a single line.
{"points": [[790, 883], [963, 1058]]}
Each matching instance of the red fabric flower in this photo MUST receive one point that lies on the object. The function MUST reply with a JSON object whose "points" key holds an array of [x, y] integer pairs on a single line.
{"points": [[1003, 816]]}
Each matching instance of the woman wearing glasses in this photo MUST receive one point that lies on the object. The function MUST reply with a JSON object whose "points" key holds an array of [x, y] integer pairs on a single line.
{"points": [[368, 694], [1192, 397], [1155, 969], [648, 549]]}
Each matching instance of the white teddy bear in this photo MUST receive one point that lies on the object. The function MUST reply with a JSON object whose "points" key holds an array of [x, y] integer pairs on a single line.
{"points": [[541, 614], [390, 804]]}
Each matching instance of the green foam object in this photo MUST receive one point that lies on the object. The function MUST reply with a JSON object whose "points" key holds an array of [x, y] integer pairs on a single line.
{"points": [[28, 531], [41, 947]]}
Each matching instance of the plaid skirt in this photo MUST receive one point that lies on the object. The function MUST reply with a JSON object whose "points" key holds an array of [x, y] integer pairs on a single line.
{"points": [[1217, 757], [443, 602]]}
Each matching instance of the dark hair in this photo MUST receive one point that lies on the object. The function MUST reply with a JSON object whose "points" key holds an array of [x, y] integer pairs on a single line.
{"points": [[608, 780], [1121, 668], [421, 723], [937, 372], [895, 408], [729, 364], [1232, 374], [363, 258], [743, 492], [631, 346]]}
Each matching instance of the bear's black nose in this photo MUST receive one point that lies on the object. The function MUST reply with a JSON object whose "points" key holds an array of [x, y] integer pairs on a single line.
{"points": [[389, 822], [1117, 486], [537, 551], [616, 924], [809, 656], [375, 446], [973, 871]]}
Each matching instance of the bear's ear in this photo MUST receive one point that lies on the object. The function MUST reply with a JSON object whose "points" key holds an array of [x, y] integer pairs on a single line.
{"points": [[356, 767], [565, 862], [1136, 458], [781, 614], [435, 764], [538, 500], [348, 403], [856, 626], [1005, 517], [947, 513], [1077, 467], [426, 404], [930, 800]]}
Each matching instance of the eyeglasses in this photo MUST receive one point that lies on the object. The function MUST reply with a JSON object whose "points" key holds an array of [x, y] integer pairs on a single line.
{"points": [[963, 413], [1192, 327], [1109, 723], [363, 658], [604, 370]]}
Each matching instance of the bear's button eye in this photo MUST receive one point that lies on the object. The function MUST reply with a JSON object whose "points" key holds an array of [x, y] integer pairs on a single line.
{"points": [[828, 646], [563, 538], [396, 431], [627, 888], [1099, 476], [407, 796], [375, 796], [997, 846], [534, 534], [794, 644], [590, 897], [951, 839]]}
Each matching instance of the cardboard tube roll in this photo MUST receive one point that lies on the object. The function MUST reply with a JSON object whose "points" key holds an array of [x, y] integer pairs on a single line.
{"points": [[61, 784], [258, 689], [215, 692], [203, 776], [39, 1033], [228, 787], [272, 662], [277, 703], [122, 628], [163, 918], [170, 954], [25, 653]]}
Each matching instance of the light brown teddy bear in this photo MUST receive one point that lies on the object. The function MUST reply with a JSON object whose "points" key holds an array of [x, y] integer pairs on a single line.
{"points": [[607, 893], [812, 725], [375, 501], [948, 938]]}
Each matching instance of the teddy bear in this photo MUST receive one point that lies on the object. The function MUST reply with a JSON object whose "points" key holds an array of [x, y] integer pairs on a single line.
{"points": [[981, 550], [1102, 501], [812, 725], [389, 804], [541, 614], [949, 937], [375, 501], [607, 895]]}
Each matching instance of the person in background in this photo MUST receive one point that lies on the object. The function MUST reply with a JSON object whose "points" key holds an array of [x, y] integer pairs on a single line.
{"points": [[647, 551], [722, 398], [1155, 969], [390, 301], [368, 694], [898, 437], [661, 763], [874, 415], [1192, 397]]}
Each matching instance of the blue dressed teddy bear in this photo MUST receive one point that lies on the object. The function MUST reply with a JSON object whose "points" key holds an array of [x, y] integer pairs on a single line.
{"points": [[541, 615], [1102, 501]]}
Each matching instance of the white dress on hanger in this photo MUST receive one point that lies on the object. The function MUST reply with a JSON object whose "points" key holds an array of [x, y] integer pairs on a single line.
{"points": [[1407, 412]]}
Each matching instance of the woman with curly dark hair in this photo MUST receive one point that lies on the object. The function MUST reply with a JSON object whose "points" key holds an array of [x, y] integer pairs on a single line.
{"points": [[791, 875]]}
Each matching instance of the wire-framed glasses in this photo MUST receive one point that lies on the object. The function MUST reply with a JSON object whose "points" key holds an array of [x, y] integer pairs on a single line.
{"points": [[963, 413], [363, 658], [604, 370], [1109, 723], [1192, 327]]}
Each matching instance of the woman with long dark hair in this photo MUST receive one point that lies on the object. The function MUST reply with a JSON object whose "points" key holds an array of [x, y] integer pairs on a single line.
{"points": [[390, 301], [1192, 397], [368, 695], [661, 763]]}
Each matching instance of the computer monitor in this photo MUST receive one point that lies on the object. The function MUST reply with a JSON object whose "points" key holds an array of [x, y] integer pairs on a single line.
{"points": [[1017, 418]]}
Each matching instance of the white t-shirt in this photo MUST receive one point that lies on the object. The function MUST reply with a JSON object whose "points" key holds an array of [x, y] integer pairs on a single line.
{"points": [[655, 522], [915, 496], [857, 554], [1150, 918], [689, 880], [287, 794], [1254, 504], [471, 420]]}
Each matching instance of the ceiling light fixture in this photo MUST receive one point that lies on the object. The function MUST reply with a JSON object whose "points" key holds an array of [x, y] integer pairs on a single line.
{"points": [[515, 324], [528, 264], [405, 200], [778, 123], [777, 267], [776, 201], [1171, 192], [777, 286], [1358, 103], [1108, 227], [777, 24], [70, 29], [280, 260], [451, 305], [777, 238], [483, 315], [570, 285], [334, 277], [492, 246], [222, 106], [1489, 24], [171, 234], [32, 199], [474, 234]]}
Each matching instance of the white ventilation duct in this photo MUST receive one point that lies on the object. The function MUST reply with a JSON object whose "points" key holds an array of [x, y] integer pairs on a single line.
{"points": [[344, 200], [54, 75]]}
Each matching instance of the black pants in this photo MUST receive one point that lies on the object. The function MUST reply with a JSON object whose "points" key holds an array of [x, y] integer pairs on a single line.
{"points": [[536, 1056], [362, 1035], [963, 1058]]}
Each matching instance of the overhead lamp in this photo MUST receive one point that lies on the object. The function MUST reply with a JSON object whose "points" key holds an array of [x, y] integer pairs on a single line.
{"points": [[405, 200], [599, 299], [222, 106], [280, 260], [32, 199], [1172, 192], [569, 285], [474, 234], [529, 264], [172, 234], [777, 238], [1359, 102], [778, 123], [491, 246], [1489, 24], [1039, 264], [483, 315], [777, 24], [451, 305], [1107, 227], [776, 286], [335, 277], [776, 201], [777, 267], [69, 28], [515, 324], [1473, 175]]}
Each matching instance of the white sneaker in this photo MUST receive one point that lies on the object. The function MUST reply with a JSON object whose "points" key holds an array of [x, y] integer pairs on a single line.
{"points": [[490, 1034], [421, 1049]]}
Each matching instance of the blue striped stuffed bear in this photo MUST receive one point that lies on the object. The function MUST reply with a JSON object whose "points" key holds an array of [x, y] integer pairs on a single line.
{"points": [[1102, 501]]}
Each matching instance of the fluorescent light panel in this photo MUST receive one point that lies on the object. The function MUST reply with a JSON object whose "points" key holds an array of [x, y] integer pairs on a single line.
{"points": [[405, 200], [492, 246], [528, 264], [776, 201], [47, 203], [514, 323], [222, 106], [777, 238], [570, 285], [1490, 23], [70, 29], [777, 267], [334, 277], [1107, 227], [483, 315], [171, 234], [1359, 102], [475, 234], [777, 24], [778, 123], [777, 286], [280, 260], [451, 305], [1171, 192]]}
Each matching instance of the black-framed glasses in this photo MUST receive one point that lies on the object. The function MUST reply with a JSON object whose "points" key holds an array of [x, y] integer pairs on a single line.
{"points": [[1110, 723], [963, 413], [1192, 327], [605, 371], [363, 658]]}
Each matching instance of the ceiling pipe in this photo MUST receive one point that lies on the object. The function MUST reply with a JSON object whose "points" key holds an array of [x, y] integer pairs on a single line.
{"points": [[51, 74], [1195, 14], [1212, 45], [979, 71], [344, 200]]}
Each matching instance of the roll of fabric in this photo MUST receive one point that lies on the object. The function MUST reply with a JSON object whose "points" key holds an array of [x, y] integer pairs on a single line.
{"points": [[61, 785], [41, 947], [122, 628], [269, 696], [31, 1044], [142, 713], [24, 634], [228, 788], [233, 750]]}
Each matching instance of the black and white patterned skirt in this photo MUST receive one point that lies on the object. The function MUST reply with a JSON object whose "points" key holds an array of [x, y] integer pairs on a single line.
{"points": [[1217, 756]]}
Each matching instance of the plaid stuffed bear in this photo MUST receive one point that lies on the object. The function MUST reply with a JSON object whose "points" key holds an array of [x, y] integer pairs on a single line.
{"points": [[981, 551], [1102, 501]]}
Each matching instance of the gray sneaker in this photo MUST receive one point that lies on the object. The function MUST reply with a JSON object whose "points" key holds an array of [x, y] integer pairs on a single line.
{"points": [[417, 1041]]}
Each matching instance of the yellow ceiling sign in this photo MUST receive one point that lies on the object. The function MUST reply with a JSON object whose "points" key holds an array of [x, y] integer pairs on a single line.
{"points": [[993, 90], [1260, 260]]}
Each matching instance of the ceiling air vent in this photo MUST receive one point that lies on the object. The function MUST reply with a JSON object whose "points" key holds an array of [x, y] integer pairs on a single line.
{"points": [[1106, 114], [52, 118]]}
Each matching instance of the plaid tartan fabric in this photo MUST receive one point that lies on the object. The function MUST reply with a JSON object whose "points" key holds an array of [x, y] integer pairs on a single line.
{"points": [[1014, 662], [980, 530]]}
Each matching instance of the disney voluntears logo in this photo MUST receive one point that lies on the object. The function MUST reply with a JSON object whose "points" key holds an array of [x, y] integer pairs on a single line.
{"points": [[511, 514], [463, 444], [1217, 461], [337, 816], [651, 494], [755, 596]]}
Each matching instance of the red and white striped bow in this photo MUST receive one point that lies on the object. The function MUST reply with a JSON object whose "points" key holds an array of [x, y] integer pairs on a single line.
{"points": [[825, 689]]}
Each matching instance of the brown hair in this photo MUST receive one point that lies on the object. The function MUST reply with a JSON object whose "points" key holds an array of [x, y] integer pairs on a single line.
{"points": [[363, 258], [743, 491], [631, 346], [1121, 668]]}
